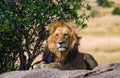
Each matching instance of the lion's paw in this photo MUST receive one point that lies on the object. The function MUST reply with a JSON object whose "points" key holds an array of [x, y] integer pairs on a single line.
{"points": [[36, 66]]}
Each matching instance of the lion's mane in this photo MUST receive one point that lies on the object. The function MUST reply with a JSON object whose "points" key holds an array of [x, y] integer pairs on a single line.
{"points": [[51, 51]]}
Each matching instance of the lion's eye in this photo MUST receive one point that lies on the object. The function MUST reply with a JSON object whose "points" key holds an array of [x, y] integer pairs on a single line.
{"points": [[56, 35], [66, 35]]}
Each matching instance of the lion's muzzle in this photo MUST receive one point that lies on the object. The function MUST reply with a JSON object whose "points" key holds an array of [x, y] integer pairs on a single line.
{"points": [[61, 46]]}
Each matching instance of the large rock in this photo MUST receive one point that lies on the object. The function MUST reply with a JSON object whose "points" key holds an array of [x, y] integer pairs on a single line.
{"points": [[102, 71]]}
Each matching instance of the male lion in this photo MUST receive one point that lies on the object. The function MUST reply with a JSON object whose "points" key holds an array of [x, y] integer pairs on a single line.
{"points": [[62, 50]]}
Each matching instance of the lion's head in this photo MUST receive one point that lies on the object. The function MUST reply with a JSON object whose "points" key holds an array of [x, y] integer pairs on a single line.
{"points": [[62, 39]]}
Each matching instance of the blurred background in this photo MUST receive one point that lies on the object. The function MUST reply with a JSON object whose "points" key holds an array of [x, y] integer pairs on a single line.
{"points": [[102, 36]]}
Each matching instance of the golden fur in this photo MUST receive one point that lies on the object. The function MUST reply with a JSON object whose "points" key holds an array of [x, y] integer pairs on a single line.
{"points": [[51, 42], [62, 49]]}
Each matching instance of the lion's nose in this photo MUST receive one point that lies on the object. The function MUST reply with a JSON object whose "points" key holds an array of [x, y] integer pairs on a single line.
{"points": [[60, 42]]}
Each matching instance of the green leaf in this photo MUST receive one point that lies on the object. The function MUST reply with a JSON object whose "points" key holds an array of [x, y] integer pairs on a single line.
{"points": [[1, 45], [6, 21]]}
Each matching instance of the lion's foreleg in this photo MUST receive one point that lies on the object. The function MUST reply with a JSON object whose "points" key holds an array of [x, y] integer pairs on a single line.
{"points": [[52, 65], [90, 61]]}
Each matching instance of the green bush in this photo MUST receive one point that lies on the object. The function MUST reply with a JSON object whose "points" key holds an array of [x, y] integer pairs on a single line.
{"points": [[105, 3], [116, 11], [88, 7], [23, 24]]}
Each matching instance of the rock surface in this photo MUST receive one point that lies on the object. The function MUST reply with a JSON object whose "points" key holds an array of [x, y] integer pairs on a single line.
{"points": [[101, 71]]}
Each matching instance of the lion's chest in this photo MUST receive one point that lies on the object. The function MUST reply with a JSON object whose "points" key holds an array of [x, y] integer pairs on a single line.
{"points": [[65, 60], [59, 59]]}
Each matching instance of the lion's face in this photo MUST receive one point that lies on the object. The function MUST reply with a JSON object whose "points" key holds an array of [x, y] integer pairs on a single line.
{"points": [[62, 38]]}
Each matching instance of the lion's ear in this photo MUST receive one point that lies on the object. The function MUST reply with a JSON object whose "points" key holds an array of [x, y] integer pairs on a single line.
{"points": [[52, 27]]}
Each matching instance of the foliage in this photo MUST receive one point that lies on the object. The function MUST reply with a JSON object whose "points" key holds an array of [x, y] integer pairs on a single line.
{"points": [[116, 11], [23, 27], [94, 13], [105, 3], [88, 7], [8, 52]]}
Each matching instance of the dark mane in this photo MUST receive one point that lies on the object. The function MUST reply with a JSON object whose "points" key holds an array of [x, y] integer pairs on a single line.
{"points": [[49, 57]]}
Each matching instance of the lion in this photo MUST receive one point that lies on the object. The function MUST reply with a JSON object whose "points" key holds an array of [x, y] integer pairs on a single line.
{"points": [[61, 50]]}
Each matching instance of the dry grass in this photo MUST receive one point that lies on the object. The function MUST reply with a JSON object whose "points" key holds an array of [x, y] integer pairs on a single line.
{"points": [[105, 49], [100, 43], [102, 36], [105, 57], [102, 26]]}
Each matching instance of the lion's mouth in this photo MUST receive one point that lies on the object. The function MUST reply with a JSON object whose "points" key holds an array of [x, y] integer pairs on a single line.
{"points": [[61, 48]]}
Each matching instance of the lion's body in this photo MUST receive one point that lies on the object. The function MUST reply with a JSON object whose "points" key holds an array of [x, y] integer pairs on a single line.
{"points": [[62, 50]]}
